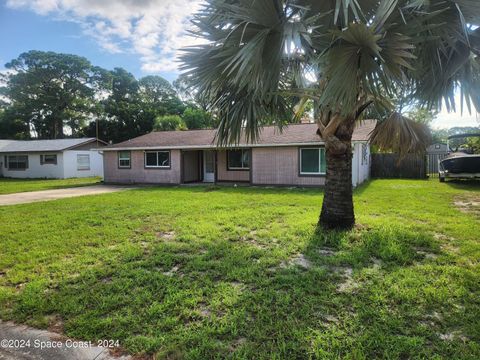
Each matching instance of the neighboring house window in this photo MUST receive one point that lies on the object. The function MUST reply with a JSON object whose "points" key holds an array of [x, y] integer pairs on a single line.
{"points": [[124, 159], [238, 159], [312, 161], [83, 162], [48, 159], [17, 162], [437, 146], [364, 154], [157, 159]]}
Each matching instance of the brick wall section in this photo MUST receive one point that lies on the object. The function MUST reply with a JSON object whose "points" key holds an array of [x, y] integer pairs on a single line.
{"points": [[137, 173], [224, 175], [279, 166]]}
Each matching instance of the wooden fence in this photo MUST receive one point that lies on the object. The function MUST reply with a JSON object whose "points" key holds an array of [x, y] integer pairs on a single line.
{"points": [[388, 166], [433, 161]]}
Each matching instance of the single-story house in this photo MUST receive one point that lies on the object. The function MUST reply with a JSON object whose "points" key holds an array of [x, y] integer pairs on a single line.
{"points": [[293, 157], [56, 159]]}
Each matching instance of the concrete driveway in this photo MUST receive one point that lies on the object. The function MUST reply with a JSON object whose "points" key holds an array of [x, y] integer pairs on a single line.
{"points": [[46, 195], [19, 342]]}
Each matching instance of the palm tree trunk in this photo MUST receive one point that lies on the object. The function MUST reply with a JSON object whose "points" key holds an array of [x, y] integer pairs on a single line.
{"points": [[337, 208]]}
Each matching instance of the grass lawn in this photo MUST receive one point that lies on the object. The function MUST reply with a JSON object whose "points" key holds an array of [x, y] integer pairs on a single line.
{"points": [[10, 186], [200, 273]]}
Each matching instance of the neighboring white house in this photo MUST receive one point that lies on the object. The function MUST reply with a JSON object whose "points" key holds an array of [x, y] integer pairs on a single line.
{"points": [[56, 159]]}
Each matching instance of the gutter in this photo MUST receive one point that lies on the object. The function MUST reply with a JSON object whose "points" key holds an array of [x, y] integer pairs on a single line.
{"points": [[202, 147]]}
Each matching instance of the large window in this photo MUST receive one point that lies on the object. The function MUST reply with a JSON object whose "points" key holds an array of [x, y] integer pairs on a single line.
{"points": [[238, 159], [17, 162], [124, 159], [48, 159], [157, 159], [83, 162], [312, 161]]}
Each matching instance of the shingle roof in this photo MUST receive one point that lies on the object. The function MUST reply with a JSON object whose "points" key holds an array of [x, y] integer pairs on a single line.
{"points": [[269, 136], [41, 145]]}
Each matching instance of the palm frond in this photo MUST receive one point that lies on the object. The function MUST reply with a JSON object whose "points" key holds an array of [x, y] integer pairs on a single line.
{"points": [[401, 135]]}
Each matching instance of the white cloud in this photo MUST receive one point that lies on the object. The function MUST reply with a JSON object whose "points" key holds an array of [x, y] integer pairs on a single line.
{"points": [[153, 29], [446, 120]]}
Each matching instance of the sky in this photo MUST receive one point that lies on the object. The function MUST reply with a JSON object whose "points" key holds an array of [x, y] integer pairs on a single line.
{"points": [[142, 36]]}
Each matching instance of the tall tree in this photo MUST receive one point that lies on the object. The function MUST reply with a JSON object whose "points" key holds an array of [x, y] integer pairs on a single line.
{"points": [[345, 55], [48, 91], [159, 94], [123, 114]]}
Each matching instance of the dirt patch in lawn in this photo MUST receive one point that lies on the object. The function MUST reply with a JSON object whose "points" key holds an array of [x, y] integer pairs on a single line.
{"points": [[166, 235], [298, 260], [469, 204], [55, 324], [348, 284]]}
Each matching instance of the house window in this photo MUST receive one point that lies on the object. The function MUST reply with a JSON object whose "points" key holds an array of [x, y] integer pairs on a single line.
{"points": [[17, 162], [312, 161], [48, 159], [124, 159], [83, 162], [157, 159], [238, 159]]}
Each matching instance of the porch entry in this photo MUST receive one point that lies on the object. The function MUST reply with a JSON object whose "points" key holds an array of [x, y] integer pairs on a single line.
{"points": [[208, 166]]}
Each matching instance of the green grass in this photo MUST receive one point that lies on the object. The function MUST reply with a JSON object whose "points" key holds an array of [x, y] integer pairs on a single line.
{"points": [[10, 186], [200, 273]]}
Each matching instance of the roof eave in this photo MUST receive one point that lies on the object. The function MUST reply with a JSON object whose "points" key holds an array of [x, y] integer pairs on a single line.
{"points": [[201, 147]]}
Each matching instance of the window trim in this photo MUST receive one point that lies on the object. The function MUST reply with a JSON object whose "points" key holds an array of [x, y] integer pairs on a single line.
{"points": [[89, 162], [120, 158], [308, 174], [42, 159], [157, 167], [7, 163], [229, 168]]}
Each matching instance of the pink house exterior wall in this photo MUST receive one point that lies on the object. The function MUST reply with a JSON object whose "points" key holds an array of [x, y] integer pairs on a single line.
{"points": [[223, 174], [279, 166], [138, 173]]}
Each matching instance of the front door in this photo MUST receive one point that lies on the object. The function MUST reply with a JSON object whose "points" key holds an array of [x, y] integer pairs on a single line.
{"points": [[208, 166]]}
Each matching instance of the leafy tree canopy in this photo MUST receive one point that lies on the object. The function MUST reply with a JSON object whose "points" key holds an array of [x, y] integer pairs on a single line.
{"points": [[48, 91], [196, 118], [169, 123]]}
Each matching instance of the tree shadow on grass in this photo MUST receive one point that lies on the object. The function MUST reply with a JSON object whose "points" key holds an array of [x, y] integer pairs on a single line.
{"points": [[367, 293]]}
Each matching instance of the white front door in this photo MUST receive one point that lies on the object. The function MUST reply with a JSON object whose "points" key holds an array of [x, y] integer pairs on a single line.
{"points": [[208, 166]]}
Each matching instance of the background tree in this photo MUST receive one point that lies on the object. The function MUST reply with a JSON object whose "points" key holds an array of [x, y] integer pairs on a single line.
{"points": [[345, 56], [441, 135], [169, 123], [157, 93], [48, 91], [196, 118], [123, 115]]}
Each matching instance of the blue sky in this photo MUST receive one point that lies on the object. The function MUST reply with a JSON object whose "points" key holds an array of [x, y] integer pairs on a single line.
{"points": [[142, 36]]}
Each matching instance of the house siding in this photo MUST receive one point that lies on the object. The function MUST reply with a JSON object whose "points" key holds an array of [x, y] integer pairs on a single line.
{"points": [[35, 168], [137, 173], [70, 166], [279, 166], [223, 174]]}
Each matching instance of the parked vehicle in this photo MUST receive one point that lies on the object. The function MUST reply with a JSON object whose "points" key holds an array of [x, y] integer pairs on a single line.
{"points": [[461, 163]]}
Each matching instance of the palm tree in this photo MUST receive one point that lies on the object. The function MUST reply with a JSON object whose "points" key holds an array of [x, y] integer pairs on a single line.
{"points": [[345, 55]]}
